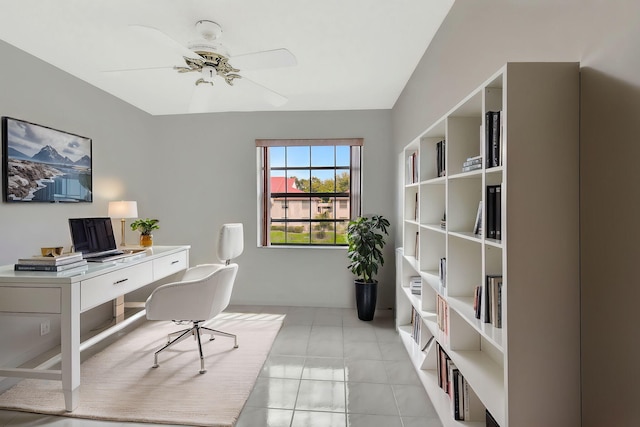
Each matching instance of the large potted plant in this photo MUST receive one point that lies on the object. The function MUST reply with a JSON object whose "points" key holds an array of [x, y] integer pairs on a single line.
{"points": [[146, 227], [366, 238]]}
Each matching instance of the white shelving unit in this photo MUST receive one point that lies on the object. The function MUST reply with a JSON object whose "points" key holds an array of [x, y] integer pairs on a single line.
{"points": [[526, 372]]}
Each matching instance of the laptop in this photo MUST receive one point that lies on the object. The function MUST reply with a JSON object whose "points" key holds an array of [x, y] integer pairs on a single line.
{"points": [[95, 239]]}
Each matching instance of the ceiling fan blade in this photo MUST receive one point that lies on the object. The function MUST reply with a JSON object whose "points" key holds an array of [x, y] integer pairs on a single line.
{"points": [[122, 70], [159, 37], [276, 58], [272, 97]]}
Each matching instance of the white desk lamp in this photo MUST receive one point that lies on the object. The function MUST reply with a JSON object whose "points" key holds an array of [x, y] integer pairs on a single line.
{"points": [[123, 209]]}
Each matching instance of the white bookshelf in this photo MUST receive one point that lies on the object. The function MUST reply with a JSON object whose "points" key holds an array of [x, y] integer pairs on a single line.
{"points": [[527, 372]]}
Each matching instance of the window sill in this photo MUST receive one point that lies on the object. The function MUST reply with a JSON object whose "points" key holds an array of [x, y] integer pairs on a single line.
{"points": [[314, 247]]}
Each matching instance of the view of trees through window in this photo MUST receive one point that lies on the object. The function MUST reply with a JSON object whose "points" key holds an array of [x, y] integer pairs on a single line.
{"points": [[309, 194]]}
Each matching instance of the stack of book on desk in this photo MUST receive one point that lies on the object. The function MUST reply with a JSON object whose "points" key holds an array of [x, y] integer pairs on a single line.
{"points": [[62, 262]]}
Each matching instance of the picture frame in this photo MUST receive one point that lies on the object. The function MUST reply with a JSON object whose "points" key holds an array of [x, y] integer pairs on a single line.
{"points": [[43, 164]]}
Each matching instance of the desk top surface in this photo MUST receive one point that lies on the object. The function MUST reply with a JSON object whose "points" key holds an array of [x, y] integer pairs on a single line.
{"points": [[8, 275]]}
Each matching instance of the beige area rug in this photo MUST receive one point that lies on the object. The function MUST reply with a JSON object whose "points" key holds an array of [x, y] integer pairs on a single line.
{"points": [[118, 384]]}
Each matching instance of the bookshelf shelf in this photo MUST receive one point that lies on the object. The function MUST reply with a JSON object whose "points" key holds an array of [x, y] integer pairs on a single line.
{"points": [[507, 156]]}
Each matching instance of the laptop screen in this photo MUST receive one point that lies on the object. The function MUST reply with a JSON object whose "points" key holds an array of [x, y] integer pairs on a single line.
{"points": [[91, 235]]}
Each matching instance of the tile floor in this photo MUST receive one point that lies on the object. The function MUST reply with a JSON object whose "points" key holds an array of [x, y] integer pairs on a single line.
{"points": [[326, 369]]}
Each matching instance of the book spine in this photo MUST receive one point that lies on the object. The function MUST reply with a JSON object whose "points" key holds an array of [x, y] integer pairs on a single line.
{"points": [[495, 138], [31, 267], [491, 212], [499, 307], [54, 262], [498, 214], [486, 300], [487, 140]]}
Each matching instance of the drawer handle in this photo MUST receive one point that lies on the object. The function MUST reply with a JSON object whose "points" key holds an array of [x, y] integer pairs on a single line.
{"points": [[120, 281], [175, 262]]}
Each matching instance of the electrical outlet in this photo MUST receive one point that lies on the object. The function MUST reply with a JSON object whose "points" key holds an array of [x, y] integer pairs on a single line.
{"points": [[45, 327]]}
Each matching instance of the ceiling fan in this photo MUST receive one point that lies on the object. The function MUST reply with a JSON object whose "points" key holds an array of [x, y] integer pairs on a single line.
{"points": [[211, 59]]}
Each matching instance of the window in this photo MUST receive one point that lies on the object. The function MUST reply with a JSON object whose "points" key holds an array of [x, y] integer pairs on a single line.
{"points": [[309, 190]]}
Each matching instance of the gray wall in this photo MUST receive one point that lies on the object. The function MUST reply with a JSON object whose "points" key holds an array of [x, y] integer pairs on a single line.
{"points": [[193, 173], [475, 40]]}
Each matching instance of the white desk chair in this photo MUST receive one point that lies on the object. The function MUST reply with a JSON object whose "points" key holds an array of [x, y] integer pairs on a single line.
{"points": [[203, 292]]}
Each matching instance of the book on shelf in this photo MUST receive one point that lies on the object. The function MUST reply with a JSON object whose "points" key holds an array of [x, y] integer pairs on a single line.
{"points": [[494, 212], [472, 161], [442, 370], [498, 209], [477, 227], [492, 300], [477, 301], [46, 267], [416, 249], [442, 314], [471, 168], [492, 129], [443, 221], [496, 301], [52, 260], [412, 168], [415, 208], [455, 386], [442, 272], [441, 162], [473, 410], [416, 325]]}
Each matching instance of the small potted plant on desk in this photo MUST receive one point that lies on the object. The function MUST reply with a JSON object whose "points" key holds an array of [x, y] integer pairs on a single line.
{"points": [[145, 226], [365, 236]]}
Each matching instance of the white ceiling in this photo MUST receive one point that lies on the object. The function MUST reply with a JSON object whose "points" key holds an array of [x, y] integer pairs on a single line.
{"points": [[351, 54]]}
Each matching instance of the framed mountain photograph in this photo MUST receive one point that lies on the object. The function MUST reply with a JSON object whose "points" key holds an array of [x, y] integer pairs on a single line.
{"points": [[42, 164]]}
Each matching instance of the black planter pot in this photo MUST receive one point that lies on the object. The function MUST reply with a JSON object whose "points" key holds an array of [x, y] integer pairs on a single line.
{"points": [[366, 296]]}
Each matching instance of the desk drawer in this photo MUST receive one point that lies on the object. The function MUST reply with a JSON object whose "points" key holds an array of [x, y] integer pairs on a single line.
{"points": [[29, 300], [106, 287], [169, 264]]}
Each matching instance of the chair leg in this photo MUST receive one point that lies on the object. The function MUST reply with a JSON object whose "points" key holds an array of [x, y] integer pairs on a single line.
{"points": [[197, 332], [176, 333], [226, 334], [169, 344]]}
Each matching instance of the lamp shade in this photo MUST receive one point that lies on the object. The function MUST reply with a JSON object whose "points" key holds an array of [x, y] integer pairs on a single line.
{"points": [[123, 209]]}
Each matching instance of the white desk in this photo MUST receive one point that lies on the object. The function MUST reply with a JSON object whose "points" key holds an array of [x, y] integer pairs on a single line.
{"points": [[70, 295]]}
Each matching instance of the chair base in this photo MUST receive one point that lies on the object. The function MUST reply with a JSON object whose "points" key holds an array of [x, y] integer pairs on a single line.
{"points": [[194, 330]]}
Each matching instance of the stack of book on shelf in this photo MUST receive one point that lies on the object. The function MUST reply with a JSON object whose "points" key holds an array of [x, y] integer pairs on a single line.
{"points": [[493, 138], [64, 262], [494, 212], [465, 404], [422, 340], [487, 301], [441, 158], [472, 163], [415, 284]]}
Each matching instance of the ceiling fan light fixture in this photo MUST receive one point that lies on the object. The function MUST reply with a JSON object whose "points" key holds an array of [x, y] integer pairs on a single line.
{"points": [[208, 73]]}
